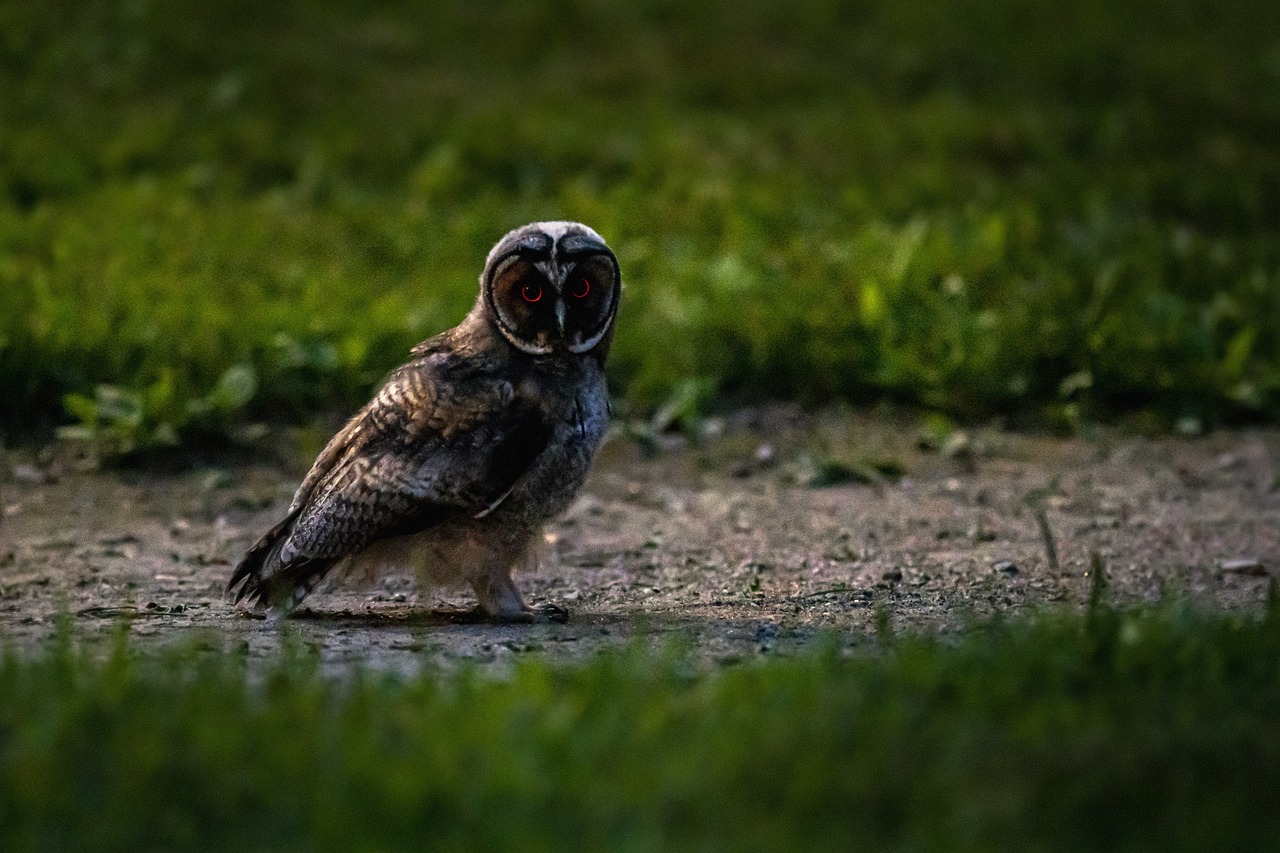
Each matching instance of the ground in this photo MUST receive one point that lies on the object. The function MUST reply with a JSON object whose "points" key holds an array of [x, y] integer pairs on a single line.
{"points": [[777, 528]]}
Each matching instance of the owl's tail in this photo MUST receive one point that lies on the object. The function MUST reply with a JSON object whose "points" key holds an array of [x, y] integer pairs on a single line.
{"points": [[265, 580]]}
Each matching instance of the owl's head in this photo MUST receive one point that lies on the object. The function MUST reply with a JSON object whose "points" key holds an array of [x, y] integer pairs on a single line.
{"points": [[552, 287]]}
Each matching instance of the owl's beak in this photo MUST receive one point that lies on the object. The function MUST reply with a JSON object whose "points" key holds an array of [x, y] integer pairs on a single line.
{"points": [[560, 316]]}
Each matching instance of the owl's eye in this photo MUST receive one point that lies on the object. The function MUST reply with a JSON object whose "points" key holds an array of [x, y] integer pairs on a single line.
{"points": [[531, 292], [582, 289]]}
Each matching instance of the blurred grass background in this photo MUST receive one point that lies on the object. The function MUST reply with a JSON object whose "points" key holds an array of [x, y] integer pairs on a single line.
{"points": [[212, 214], [1113, 731]]}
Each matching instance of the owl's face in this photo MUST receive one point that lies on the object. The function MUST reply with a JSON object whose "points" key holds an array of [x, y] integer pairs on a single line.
{"points": [[552, 287]]}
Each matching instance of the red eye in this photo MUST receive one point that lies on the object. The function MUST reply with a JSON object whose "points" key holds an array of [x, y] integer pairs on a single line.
{"points": [[583, 288], [531, 292]]}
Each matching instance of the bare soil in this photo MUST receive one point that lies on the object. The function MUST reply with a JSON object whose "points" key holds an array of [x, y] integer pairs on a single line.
{"points": [[774, 530]]}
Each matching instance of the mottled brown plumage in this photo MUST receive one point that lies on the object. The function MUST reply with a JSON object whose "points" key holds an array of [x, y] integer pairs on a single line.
{"points": [[468, 448]]}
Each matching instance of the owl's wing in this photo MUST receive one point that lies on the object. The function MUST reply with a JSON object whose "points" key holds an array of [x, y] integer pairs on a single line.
{"points": [[422, 451]]}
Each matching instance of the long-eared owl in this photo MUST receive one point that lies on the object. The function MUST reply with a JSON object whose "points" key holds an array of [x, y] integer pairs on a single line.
{"points": [[471, 446]]}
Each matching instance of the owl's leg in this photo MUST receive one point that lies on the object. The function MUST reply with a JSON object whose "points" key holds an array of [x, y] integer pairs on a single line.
{"points": [[501, 601], [499, 597]]}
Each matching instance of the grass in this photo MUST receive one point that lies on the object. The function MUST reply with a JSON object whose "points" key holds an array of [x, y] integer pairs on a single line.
{"points": [[229, 213], [1122, 731]]}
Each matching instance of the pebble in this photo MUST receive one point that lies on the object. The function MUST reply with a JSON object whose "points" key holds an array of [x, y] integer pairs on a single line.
{"points": [[25, 472], [766, 454], [1006, 567], [978, 533]]}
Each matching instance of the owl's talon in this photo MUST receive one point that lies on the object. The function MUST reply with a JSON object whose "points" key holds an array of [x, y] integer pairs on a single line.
{"points": [[542, 613], [548, 612]]}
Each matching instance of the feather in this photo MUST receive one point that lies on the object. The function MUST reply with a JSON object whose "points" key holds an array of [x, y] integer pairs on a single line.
{"points": [[413, 457]]}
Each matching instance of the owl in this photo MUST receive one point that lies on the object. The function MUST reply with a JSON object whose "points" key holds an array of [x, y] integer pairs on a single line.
{"points": [[485, 434]]}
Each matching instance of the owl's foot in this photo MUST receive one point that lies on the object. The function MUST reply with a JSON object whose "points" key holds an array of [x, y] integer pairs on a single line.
{"points": [[501, 601], [540, 614]]}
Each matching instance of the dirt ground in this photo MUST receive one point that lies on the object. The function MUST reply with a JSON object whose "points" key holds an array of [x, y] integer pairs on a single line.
{"points": [[774, 530]]}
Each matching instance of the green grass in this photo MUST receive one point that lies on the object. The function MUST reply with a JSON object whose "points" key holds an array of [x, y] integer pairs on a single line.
{"points": [[1118, 731], [1028, 209]]}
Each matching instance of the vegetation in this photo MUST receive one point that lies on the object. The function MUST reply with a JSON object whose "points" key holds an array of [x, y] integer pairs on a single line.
{"points": [[225, 212], [218, 214], [1118, 731]]}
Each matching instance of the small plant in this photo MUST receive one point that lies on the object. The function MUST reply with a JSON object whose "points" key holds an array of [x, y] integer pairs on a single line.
{"points": [[118, 421]]}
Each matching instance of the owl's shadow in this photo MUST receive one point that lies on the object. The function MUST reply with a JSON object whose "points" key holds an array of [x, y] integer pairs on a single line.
{"points": [[408, 617], [621, 622]]}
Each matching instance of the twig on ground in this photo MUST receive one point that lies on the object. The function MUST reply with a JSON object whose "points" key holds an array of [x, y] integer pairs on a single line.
{"points": [[835, 590], [1046, 534]]}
